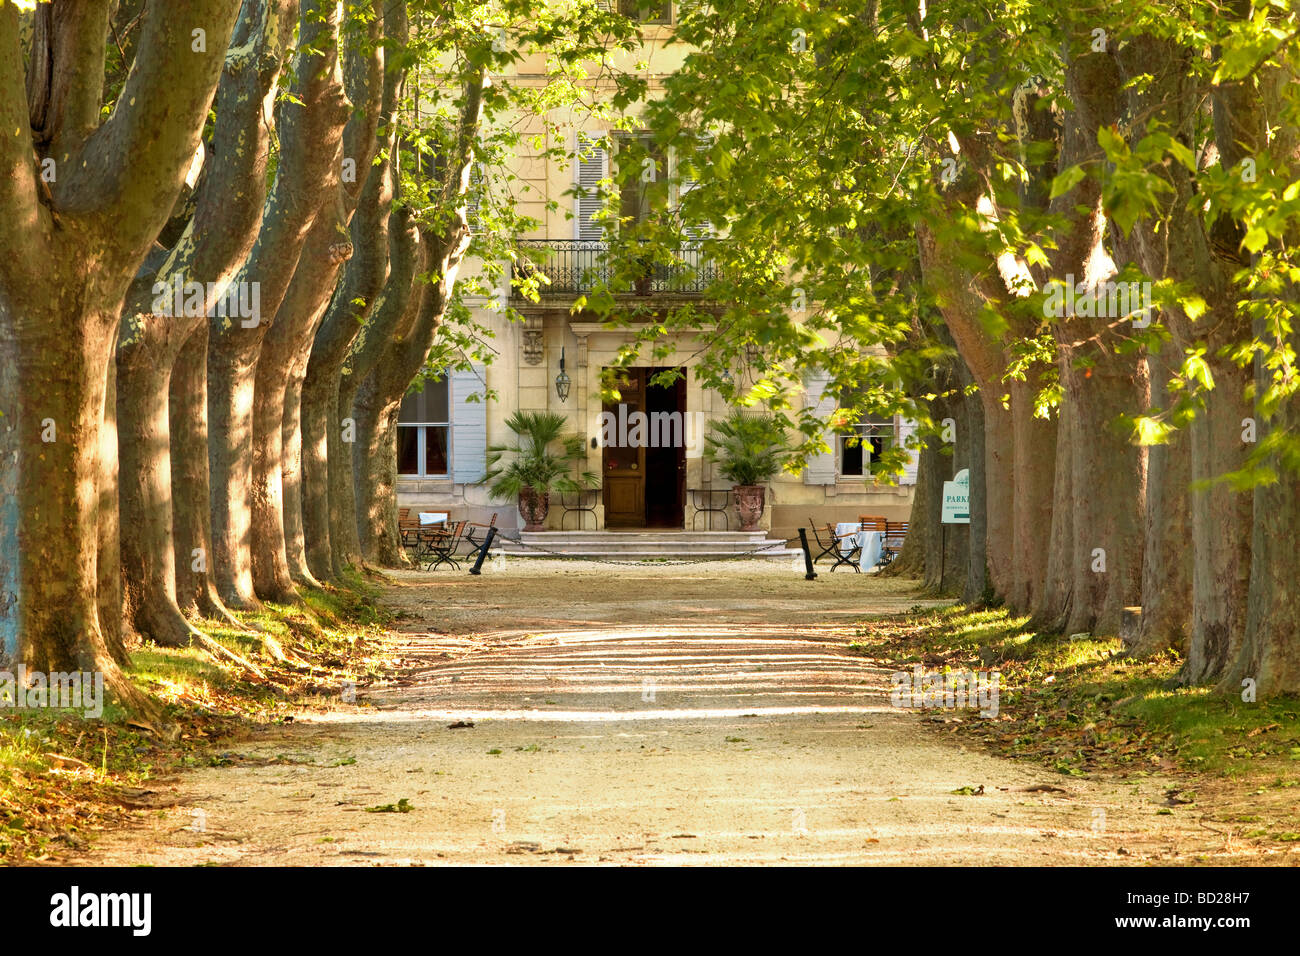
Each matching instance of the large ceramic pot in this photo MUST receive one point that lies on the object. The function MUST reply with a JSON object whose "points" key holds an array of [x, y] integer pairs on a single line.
{"points": [[749, 504], [534, 509]]}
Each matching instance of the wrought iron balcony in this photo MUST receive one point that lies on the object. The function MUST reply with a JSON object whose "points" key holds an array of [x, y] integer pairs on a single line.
{"points": [[578, 266]]}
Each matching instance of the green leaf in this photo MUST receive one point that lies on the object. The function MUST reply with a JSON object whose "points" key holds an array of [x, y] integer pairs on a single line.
{"points": [[1067, 180], [1256, 239]]}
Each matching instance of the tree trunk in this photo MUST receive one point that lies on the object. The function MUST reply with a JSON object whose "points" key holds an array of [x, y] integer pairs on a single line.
{"points": [[295, 544], [1167, 561], [1205, 257], [1270, 651], [144, 450], [329, 512], [311, 129], [286, 345], [976, 589], [1108, 491], [63, 383], [1034, 450], [1052, 609], [398, 343], [84, 236], [279, 552], [999, 479], [111, 616], [376, 478], [196, 587], [934, 552], [367, 390]]}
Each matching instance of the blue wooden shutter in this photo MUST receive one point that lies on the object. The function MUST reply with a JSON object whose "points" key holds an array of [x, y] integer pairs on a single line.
{"points": [[592, 166], [906, 427], [821, 469], [468, 426], [686, 183]]}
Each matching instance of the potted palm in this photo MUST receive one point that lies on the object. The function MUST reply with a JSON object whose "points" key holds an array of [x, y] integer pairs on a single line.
{"points": [[749, 447], [535, 470]]}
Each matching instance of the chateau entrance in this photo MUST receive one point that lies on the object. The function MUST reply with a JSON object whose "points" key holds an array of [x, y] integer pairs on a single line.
{"points": [[643, 439]]}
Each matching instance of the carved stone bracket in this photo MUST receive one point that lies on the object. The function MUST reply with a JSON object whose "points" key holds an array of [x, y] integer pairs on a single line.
{"points": [[533, 347], [582, 352]]}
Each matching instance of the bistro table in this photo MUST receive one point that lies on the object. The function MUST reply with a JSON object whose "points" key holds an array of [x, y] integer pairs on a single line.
{"points": [[432, 524], [872, 542]]}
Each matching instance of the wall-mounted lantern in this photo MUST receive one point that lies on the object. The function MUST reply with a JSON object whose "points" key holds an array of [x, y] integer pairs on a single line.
{"points": [[562, 381]]}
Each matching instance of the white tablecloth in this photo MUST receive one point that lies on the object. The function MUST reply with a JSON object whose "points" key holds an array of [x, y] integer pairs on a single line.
{"points": [[433, 517], [872, 542]]}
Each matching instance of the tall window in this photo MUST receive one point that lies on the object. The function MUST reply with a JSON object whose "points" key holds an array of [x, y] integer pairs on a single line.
{"points": [[649, 167], [647, 11], [870, 440], [424, 432]]}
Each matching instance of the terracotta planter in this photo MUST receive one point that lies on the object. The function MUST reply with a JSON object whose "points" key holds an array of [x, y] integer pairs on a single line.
{"points": [[534, 509], [749, 501]]}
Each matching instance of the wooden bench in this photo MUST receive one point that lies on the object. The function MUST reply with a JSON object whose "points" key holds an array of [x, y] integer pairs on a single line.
{"points": [[895, 535], [873, 523]]}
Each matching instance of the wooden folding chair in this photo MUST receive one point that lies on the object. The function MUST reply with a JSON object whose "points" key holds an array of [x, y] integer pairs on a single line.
{"points": [[849, 557], [826, 549], [441, 546], [408, 528]]}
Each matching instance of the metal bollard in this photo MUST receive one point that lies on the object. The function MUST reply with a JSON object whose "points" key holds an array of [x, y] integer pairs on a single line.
{"points": [[807, 556], [482, 552]]}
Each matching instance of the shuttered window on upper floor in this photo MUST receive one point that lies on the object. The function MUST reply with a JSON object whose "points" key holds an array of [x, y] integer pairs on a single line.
{"points": [[591, 167]]}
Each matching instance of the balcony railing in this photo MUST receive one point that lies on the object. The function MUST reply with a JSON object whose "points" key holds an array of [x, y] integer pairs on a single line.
{"points": [[578, 266]]}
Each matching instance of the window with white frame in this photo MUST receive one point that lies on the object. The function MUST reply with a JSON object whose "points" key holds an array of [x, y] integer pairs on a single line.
{"points": [[647, 11], [864, 445], [424, 432]]}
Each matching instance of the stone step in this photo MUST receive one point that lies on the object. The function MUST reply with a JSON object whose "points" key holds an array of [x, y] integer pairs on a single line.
{"points": [[782, 555], [644, 545]]}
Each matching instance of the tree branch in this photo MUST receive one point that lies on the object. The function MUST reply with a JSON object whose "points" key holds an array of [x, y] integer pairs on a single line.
{"points": [[132, 168], [22, 220], [65, 84]]}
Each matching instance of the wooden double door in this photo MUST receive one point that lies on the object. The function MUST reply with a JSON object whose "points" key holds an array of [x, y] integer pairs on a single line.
{"points": [[644, 453]]}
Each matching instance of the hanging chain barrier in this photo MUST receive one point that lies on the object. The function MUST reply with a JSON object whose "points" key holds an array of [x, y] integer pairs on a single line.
{"points": [[770, 549]]}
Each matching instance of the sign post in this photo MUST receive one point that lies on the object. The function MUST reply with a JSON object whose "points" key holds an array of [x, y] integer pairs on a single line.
{"points": [[956, 510], [956, 498]]}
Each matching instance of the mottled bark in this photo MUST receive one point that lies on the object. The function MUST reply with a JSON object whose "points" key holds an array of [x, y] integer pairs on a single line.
{"points": [[295, 542], [278, 546], [1269, 657], [196, 587], [397, 343], [1205, 260], [329, 511], [1052, 609], [961, 300], [311, 127], [976, 589], [110, 582], [1108, 486], [210, 248], [937, 554], [62, 284], [369, 403], [1167, 561]]}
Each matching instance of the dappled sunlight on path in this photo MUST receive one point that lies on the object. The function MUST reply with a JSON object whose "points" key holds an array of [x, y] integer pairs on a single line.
{"points": [[608, 720]]}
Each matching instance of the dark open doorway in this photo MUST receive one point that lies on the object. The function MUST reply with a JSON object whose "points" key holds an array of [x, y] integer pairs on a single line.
{"points": [[645, 453]]}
